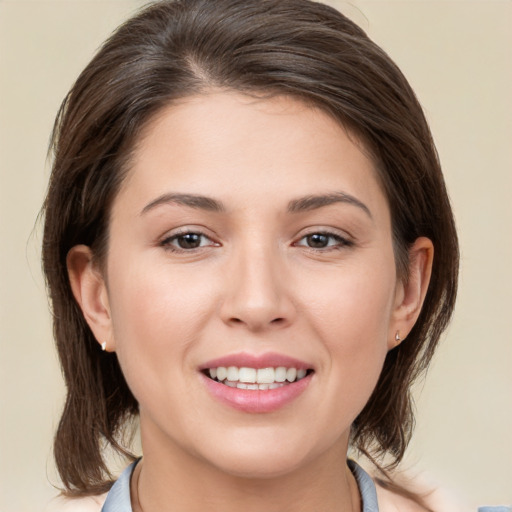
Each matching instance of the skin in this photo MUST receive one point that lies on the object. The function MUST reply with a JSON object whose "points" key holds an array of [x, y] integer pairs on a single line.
{"points": [[254, 285]]}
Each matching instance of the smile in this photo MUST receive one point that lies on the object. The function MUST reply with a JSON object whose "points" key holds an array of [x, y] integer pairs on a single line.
{"points": [[256, 378], [256, 384]]}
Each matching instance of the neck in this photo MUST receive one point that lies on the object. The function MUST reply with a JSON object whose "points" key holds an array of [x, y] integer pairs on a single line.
{"points": [[174, 482]]}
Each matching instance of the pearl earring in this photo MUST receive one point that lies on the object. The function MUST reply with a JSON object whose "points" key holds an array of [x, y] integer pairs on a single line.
{"points": [[397, 337], [104, 346]]}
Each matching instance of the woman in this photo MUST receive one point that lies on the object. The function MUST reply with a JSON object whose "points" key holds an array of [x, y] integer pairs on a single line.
{"points": [[248, 245]]}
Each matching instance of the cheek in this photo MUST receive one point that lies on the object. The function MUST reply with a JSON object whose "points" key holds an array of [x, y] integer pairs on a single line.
{"points": [[352, 301], [350, 311], [155, 321], [153, 298]]}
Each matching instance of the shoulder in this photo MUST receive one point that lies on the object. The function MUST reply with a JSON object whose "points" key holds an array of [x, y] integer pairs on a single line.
{"points": [[85, 504], [434, 498]]}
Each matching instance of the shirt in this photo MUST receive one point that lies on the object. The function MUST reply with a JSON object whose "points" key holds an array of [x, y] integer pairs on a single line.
{"points": [[118, 498]]}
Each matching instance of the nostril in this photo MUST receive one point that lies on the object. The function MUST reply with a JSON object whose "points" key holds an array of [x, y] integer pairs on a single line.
{"points": [[257, 320]]}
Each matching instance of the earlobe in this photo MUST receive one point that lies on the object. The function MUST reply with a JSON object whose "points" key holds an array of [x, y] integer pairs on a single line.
{"points": [[410, 293], [90, 291]]}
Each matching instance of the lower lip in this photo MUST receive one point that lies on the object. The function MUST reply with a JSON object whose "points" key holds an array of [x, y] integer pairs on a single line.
{"points": [[256, 401]]}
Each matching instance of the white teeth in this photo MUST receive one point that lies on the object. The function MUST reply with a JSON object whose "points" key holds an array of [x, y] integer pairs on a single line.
{"points": [[252, 378], [280, 374], [222, 373], [247, 375], [262, 387], [291, 374], [265, 376], [232, 374]]}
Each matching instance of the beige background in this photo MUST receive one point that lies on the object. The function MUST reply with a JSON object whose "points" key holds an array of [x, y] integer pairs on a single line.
{"points": [[457, 56]]}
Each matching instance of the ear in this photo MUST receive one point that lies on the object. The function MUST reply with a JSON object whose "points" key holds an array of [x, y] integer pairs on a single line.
{"points": [[90, 291], [410, 293]]}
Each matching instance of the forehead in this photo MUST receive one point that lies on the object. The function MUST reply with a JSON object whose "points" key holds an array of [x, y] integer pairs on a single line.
{"points": [[226, 143]]}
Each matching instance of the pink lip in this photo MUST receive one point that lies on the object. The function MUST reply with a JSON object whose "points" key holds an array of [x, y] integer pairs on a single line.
{"points": [[256, 401], [266, 360]]}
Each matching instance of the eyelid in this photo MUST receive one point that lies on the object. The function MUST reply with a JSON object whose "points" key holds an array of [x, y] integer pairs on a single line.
{"points": [[170, 236], [344, 240]]}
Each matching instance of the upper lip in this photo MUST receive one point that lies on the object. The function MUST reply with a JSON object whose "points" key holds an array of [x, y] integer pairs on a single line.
{"points": [[266, 360]]}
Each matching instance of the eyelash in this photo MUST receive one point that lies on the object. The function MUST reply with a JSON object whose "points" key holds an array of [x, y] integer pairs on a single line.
{"points": [[339, 241], [167, 243]]}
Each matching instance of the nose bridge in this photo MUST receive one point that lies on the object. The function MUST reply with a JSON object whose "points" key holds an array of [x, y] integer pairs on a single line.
{"points": [[257, 294]]}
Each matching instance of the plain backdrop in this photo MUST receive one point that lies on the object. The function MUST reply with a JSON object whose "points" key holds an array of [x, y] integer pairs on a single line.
{"points": [[457, 56]]}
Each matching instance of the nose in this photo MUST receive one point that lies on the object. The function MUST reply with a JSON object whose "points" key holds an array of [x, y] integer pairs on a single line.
{"points": [[258, 293]]}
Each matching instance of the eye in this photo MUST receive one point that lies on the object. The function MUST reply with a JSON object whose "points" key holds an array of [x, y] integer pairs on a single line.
{"points": [[187, 241], [323, 241]]}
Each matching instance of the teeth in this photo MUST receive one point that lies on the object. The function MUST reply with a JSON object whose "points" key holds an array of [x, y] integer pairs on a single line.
{"points": [[280, 374], [232, 373], [222, 373], [265, 376], [247, 375], [243, 385], [291, 374], [252, 378]]}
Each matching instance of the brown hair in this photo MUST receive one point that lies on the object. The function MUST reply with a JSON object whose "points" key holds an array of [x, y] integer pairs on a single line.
{"points": [[174, 49]]}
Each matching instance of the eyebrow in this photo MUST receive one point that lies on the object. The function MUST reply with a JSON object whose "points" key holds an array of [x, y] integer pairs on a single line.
{"points": [[190, 200], [302, 204], [313, 202]]}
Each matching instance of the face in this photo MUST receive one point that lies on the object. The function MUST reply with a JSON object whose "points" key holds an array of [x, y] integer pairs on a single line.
{"points": [[250, 247]]}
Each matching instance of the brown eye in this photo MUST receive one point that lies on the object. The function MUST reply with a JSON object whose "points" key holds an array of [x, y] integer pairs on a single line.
{"points": [[189, 241], [317, 240], [323, 241]]}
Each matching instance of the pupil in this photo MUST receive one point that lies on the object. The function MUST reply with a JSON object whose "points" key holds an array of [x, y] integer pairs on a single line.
{"points": [[189, 241], [318, 240]]}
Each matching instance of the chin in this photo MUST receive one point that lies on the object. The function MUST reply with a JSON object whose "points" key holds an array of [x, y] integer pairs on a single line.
{"points": [[270, 456], [260, 466]]}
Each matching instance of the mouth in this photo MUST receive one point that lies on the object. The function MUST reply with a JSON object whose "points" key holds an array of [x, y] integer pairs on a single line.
{"points": [[255, 384], [255, 379]]}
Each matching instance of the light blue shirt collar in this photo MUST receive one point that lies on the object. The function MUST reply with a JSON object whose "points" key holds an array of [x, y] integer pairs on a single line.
{"points": [[118, 498]]}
